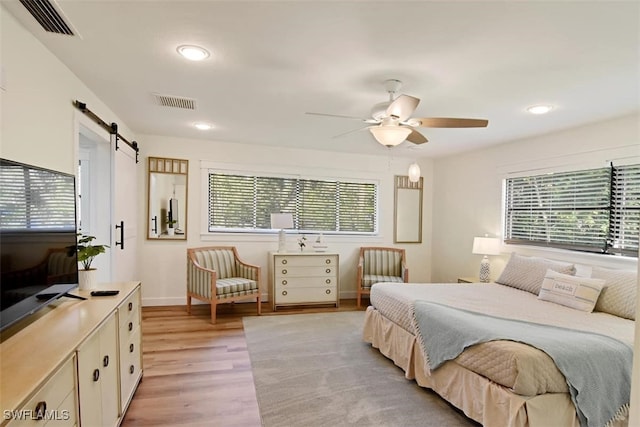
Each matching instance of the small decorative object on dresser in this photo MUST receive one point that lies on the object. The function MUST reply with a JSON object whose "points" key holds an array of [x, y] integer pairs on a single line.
{"points": [[86, 254]]}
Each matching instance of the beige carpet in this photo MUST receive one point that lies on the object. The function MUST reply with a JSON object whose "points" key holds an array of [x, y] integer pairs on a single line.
{"points": [[315, 370]]}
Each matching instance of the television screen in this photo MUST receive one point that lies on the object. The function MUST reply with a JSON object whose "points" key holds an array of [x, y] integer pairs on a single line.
{"points": [[37, 237]]}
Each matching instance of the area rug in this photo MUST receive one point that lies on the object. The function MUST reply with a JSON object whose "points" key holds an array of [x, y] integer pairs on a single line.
{"points": [[315, 370]]}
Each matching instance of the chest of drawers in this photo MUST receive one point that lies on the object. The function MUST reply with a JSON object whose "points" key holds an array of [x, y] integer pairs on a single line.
{"points": [[304, 279]]}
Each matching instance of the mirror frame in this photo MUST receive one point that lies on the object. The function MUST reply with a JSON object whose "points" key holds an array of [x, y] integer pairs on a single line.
{"points": [[406, 195], [166, 166]]}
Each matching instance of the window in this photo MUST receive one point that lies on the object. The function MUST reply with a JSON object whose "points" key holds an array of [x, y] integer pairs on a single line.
{"points": [[595, 210], [245, 203]]}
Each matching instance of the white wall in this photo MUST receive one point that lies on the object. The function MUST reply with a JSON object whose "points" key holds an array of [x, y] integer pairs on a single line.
{"points": [[163, 265], [39, 122], [467, 199]]}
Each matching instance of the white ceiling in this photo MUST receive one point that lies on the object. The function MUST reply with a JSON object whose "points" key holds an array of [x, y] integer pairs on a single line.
{"points": [[272, 61]]}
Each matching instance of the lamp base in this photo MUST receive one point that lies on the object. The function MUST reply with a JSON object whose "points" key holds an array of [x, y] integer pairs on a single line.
{"points": [[282, 241], [485, 271]]}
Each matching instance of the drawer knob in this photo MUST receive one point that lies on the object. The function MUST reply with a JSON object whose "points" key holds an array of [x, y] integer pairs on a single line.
{"points": [[130, 326], [132, 369], [131, 348], [284, 261], [327, 261], [328, 270], [130, 306], [328, 291], [284, 293], [41, 410], [328, 281], [284, 282], [96, 375], [105, 361], [284, 271]]}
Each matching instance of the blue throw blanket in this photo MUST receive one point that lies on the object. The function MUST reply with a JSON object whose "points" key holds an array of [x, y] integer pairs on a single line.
{"points": [[597, 368]]}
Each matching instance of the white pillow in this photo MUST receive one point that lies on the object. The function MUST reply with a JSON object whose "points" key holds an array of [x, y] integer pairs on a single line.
{"points": [[580, 293], [620, 292], [526, 273]]}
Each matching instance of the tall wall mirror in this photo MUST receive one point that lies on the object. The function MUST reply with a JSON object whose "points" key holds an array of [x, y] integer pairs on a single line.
{"points": [[167, 202], [407, 218]]}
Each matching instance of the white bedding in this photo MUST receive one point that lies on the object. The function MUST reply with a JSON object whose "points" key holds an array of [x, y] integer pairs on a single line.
{"points": [[393, 301]]}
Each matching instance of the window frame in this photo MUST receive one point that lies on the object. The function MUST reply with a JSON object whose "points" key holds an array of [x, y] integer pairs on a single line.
{"points": [[606, 248], [208, 168]]}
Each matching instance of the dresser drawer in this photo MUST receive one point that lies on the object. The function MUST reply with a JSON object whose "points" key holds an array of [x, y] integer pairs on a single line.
{"points": [[304, 282], [130, 366], [55, 401], [129, 310], [282, 272], [305, 260], [306, 295]]}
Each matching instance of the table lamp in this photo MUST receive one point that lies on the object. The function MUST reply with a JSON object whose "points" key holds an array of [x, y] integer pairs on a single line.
{"points": [[281, 221], [486, 246]]}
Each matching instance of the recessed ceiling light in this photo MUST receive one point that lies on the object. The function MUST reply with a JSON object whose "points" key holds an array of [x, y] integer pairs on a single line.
{"points": [[193, 53], [202, 126], [540, 109]]}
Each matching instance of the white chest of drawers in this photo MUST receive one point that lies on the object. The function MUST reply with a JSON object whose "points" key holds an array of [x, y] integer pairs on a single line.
{"points": [[304, 279]]}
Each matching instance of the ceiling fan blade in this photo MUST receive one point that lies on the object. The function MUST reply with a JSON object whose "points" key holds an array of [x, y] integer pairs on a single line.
{"points": [[351, 131], [416, 137], [338, 116], [403, 107], [448, 122]]}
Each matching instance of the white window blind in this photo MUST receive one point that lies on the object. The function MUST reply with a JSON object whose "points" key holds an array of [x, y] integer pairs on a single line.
{"points": [[595, 210], [37, 199], [238, 202], [625, 215]]}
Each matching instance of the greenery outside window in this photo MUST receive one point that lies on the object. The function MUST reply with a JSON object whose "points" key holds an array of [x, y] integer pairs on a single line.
{"points": [[595, 210], [246, 202]]}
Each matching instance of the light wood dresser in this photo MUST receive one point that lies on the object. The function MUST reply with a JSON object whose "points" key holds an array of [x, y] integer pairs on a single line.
{"points": [[304, 278], [74, 363]]}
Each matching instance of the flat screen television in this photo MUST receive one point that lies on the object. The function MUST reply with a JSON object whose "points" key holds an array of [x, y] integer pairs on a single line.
{"points": [[38, 260]]}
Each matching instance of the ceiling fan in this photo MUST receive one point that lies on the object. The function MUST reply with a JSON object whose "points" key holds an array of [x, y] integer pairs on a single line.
{"points": [[391, 122]]}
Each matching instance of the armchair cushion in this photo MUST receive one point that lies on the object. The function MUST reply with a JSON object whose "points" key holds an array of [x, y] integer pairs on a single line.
{"points": [[235, 287], [369, 279]]}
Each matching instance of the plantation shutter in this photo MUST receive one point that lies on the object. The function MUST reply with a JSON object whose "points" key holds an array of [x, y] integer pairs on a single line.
{"points": [[238, 202], [35, 199], [564, 210], [625, 215]]}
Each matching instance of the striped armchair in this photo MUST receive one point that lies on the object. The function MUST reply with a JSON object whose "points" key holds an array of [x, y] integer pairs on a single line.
{"points": [[380, 265], [217, 275]]}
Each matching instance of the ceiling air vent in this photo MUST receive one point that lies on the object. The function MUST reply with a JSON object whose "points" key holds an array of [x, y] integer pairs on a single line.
{"points": [[46, 14], [175, 101]]}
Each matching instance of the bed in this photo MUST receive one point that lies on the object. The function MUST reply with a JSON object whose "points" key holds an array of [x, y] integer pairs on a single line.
{"points": [[504, 382]]}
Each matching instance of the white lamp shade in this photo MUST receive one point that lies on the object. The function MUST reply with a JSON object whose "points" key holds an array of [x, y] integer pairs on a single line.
{"points": [[414, 172], [280, 221], [390, 135], [486, 246]]}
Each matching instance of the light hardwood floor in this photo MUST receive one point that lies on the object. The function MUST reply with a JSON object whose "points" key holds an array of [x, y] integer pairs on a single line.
{"points": [[196, 373]]}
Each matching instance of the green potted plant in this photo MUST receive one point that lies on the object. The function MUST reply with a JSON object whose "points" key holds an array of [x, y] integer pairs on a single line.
{"points": [[170, 229], [87, 251]]}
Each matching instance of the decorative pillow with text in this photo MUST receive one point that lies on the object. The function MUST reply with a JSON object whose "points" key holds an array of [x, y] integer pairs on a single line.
{"points": [[580, 293]]}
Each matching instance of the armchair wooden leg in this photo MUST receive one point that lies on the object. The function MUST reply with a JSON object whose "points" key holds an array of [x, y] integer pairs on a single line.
{"points": [[259, 302], [358, 299], [213, 312], [189, 304]]}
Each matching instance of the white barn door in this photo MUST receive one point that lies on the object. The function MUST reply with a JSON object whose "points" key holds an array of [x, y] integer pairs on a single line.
{"points": [[124, 216]]}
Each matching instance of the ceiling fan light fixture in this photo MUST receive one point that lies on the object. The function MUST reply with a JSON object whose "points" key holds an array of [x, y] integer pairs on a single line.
{"points": [[540, 109], [192, 52], [389, 135]]}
